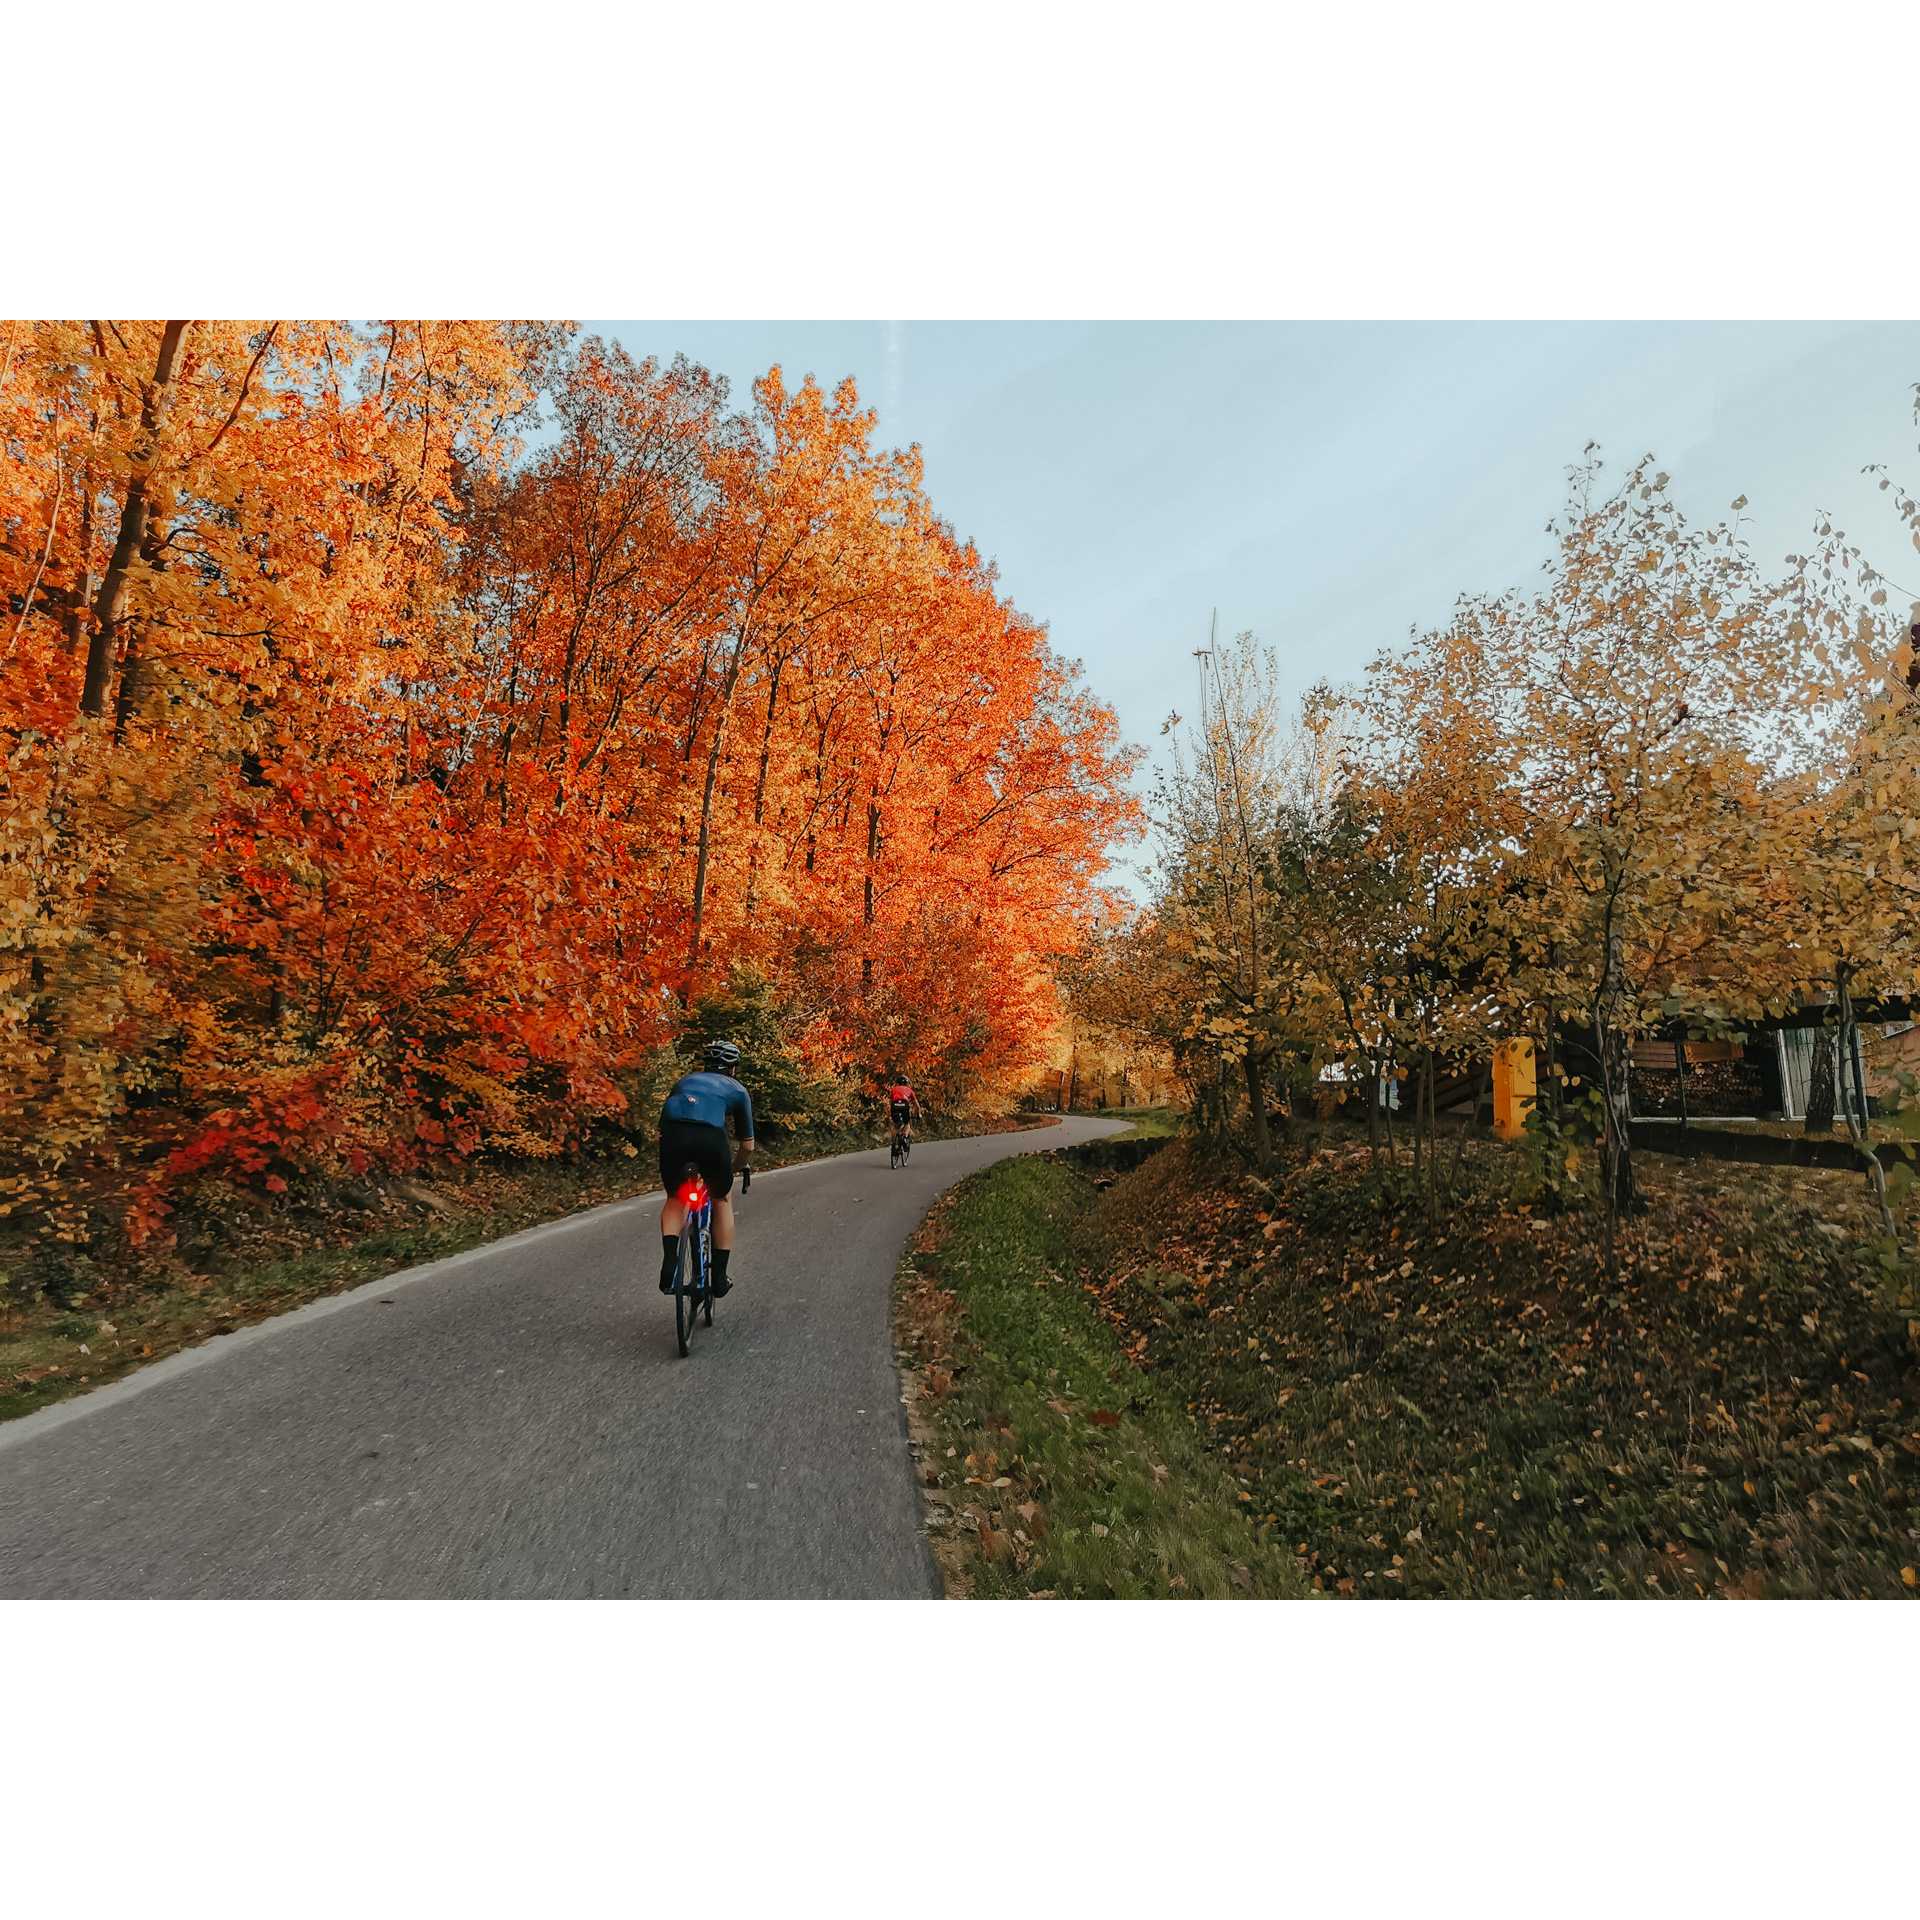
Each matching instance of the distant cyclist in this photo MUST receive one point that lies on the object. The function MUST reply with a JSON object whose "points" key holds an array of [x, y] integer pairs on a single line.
{"points": [[903, 1107], [693, 1127]]}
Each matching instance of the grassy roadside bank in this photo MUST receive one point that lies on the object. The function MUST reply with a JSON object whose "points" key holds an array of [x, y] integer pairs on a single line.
{"points": [[240, 1257], [1149, 1123], [1050, 1466], [1464, 1405]]}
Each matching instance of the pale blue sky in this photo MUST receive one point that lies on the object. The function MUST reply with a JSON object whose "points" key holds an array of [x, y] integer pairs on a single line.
{"points": [[1330, 485]]}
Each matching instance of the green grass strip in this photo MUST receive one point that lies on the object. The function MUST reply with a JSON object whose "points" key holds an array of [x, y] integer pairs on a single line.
{"points": [[1061, 1471]]}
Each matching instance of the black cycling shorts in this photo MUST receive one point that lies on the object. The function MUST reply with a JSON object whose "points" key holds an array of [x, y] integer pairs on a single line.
{"points": [[902, 1113], [707, 1147]]}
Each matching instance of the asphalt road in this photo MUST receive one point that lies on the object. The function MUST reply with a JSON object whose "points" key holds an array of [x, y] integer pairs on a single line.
{"points": [[516, 1422]]}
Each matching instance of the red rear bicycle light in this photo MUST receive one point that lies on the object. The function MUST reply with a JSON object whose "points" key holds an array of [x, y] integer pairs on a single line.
{"points": [[693, 1195]]}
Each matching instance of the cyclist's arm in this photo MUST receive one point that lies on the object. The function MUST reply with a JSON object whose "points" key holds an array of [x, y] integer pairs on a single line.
{"points": [[743, 1130]]}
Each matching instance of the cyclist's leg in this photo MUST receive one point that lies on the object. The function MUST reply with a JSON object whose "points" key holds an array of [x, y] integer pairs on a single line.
{"points": [[716, 1168], [673, 1216], [722, 1246], [674, 1221]]}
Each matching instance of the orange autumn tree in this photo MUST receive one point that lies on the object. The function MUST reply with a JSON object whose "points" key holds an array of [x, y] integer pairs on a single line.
{"points": [[817, 741], [376, 788], [960, 785], [233, 602]]}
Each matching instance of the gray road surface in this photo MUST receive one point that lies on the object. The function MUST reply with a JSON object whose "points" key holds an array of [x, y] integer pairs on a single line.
{"points": [[515, 1421]]}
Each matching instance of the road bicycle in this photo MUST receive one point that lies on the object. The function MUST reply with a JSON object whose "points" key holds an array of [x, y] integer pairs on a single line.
{"points": [[693, 1266], [902, 1147]]}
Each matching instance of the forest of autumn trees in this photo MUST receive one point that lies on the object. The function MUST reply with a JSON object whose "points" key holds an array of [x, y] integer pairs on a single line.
{"points": [[405, 724], [1659, 791]]}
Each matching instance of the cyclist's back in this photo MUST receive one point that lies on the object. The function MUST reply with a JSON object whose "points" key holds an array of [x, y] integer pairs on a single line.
{"points": [[707, 1099]]}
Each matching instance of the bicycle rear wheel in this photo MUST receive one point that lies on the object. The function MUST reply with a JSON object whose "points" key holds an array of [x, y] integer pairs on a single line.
{"points": [[706, 1270], [684, 1304]]}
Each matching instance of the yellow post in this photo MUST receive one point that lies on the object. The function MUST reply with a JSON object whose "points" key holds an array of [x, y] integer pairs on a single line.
{"points": [[1513, 1087]]}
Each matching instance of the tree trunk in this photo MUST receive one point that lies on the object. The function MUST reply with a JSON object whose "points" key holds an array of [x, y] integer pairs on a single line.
{"points": [[85, 586], [1433, 1141], [152, 555], [1820, 1089], [760, 786], [1853, 1100], [866, 908], [1419, 1113], [706, 841], [110, 604], [1473, 1120], [123, 706], [1257, 1101], [729, 681], [1616, 1060], [1844, 1074]]}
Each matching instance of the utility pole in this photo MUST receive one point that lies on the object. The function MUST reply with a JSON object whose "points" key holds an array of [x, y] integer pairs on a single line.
{"points": [[1203, 655]]}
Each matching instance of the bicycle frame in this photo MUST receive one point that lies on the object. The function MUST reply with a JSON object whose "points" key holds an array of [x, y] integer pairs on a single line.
{"points": [[693, 1196], [693, 1282], [693, 1288]]}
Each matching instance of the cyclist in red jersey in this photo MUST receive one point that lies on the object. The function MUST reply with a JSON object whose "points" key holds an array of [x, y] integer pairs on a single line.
{"points": [[902, 1106]]}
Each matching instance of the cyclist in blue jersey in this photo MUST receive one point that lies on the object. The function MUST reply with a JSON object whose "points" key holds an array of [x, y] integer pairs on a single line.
{"points": [[693, 1127]]}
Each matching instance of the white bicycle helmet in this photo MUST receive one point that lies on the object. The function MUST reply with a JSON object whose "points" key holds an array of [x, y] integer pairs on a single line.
{"points": [[722, 1055]]}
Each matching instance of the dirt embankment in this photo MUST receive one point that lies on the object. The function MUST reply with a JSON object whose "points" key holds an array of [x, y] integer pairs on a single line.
{"points": [[1464, 1404]]}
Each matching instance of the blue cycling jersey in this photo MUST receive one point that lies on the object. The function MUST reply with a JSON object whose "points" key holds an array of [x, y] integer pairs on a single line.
{"points": [[710, 1100]]}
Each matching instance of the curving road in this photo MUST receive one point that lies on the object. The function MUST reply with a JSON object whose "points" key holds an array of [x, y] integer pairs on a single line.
{"points": [[515, 1422]]}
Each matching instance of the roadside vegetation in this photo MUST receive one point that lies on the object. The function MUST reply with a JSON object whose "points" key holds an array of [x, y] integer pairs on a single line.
{"points": [[1052, 1466], [1144, 1123], [1472, 1407], [379, 789], [1657, 800], [1655, 807]]}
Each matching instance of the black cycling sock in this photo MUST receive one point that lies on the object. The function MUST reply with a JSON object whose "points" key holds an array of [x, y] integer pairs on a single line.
{"points": [[720, 1257], [669, 1259]]}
